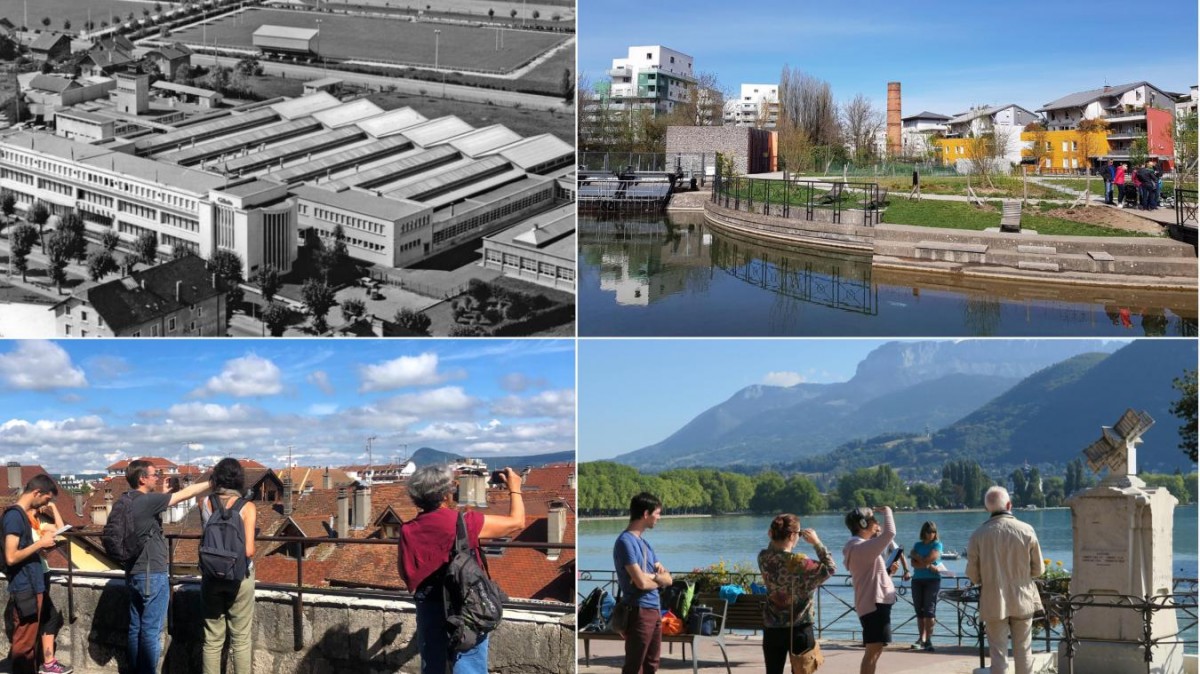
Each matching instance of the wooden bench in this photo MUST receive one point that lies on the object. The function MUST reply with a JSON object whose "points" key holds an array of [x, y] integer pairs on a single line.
{"points": [[1010, 216], [717, 637]]}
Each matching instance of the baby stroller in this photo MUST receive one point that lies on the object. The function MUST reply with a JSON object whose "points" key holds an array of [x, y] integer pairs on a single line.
{"points": [[1129, 195]]}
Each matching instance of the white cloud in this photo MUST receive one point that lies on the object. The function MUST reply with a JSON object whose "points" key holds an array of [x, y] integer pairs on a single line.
{"points": [[441, 403], [108, 366], [560, 403], [320, 379], [322, 409], [249, 375], [783, 378], [40, 366], [401, 372], [208, 412]]}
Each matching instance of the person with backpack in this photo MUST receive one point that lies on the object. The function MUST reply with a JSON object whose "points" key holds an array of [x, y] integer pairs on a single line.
{"points": [[1108, 174], [227, 568], [427, 559], [23, 569], [792, 580], [133, 535], [640, 576]]}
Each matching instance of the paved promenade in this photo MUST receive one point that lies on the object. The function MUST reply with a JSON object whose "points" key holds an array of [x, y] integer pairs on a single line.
{"points": [[745, 657]]}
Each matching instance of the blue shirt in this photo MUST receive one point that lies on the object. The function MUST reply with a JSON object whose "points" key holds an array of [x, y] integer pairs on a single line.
{"points": [[923, 549], [631, 549], [26, 574]]}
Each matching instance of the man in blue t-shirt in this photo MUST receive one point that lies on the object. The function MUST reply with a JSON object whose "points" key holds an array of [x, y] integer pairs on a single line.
{"points": [[640, 575], [26, 580]]}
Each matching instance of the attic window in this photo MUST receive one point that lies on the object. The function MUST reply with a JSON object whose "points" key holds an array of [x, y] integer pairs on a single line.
{"points": [[494, 550]]}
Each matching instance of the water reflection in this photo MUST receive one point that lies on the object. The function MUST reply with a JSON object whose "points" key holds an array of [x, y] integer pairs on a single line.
{"points": [[677, 276]]}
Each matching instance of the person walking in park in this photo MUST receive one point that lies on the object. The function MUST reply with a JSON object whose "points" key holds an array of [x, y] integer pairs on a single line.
{"points": [[26, 580], [426, 544], [926, 584], [229, 603], [640, 575], [792, 580], [146, 575], [1119, 181], [874, 593], [1003, 559]]}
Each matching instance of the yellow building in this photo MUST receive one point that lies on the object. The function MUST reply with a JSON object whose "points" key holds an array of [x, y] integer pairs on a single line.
{"points": [[1059, 150]]}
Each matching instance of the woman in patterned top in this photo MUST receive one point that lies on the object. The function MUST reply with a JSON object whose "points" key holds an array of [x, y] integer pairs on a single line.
{"points": [[791, 580]]}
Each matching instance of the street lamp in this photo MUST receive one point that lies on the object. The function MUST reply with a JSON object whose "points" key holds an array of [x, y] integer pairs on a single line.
{"points": [[324, 63], [437, 39]]}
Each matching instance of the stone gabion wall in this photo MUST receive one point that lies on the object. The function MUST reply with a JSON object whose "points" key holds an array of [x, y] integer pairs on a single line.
{"points": [[346, 634], [730, 140]]}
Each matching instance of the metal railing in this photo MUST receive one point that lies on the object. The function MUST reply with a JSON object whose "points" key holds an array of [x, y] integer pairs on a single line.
{"points": [[801, 199], [834, 614], [298, 588]]}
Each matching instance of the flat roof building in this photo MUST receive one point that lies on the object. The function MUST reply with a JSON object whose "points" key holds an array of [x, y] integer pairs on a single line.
{"points": [[285, 39], [540, 249]]}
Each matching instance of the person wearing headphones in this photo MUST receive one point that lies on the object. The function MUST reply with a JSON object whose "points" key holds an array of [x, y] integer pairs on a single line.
{"points": [[874, 592]]}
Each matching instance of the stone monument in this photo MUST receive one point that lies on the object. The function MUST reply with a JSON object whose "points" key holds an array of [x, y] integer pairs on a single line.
{"points": [[1123, 559]]}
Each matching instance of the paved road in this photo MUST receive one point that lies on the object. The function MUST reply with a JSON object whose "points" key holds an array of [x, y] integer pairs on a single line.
{"points": [[454, 91]]}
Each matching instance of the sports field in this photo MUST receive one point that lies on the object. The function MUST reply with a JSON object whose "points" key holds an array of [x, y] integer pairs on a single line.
{"points": [[75, 10], [389, 40]]}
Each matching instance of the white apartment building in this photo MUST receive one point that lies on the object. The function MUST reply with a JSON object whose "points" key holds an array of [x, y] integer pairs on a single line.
{"points": [[1009, 120], [916, 131], [651, 78], [757, 105]]}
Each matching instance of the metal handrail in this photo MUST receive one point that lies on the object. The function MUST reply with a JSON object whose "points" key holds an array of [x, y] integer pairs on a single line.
{"points": [[298, 588], [799, 198]]}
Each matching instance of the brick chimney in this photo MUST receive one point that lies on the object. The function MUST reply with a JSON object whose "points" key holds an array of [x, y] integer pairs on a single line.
{"points": [[343, 513], [893, 119], [178, 291], [362, 507], [556, 528], [326, 481], [14, 476]]}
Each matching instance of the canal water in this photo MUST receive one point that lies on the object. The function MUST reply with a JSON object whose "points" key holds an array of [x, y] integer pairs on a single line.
{"points": [[676, 276], [689, 543]]}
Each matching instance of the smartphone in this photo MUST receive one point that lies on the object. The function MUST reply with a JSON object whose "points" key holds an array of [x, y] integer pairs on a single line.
{"points": [[894, 557], [60, 531], [497, 477]]}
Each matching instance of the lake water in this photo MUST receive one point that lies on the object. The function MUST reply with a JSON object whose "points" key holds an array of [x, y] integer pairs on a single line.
{"points": [[685, 544], [675, 276]]}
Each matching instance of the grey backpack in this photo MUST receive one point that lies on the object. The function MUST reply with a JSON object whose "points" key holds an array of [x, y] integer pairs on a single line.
{"points": [[473, 601]]}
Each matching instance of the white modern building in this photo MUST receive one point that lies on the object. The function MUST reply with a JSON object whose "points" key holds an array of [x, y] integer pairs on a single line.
{"points": [[757, 105], [917, 130], [1008, 120], [652, 77]]}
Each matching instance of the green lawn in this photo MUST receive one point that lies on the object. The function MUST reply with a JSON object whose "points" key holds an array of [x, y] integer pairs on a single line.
{"points": [[393, 40], [955, 215]]}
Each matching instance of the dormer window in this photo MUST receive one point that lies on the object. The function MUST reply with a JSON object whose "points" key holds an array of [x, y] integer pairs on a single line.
{"points": [[495, 550]]}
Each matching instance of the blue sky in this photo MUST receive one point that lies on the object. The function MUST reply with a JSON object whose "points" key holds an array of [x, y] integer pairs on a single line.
{"points": [[635, 392], [76, 405], [947, 56]]}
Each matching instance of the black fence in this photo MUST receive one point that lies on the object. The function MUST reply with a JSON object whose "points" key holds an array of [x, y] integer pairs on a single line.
{"points": [[802, 199], [1184, 228], [299, 589]]}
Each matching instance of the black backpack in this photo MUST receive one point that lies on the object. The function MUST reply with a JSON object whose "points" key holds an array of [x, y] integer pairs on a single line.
{"points": [[590, 618], [473, 601], [223, 543], [677, 598], [121, 542]]}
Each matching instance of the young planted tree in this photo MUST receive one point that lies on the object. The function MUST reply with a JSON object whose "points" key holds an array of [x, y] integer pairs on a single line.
{"points": [[109, 240], [353, 311], [72, 224], [1186, 148], [227, 265], [318, 299], [276, 317], [46, 21], [38, 216], [861, 121], [413, 321], [146, 248], [1039, 149], [22, 239], [101, 263], [267, 278], [8, 206], [66, 25], [1092, 141], [60, 247]]}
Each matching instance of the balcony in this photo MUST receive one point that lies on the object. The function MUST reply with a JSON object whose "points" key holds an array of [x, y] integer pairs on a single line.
{"points": [[619, 72]]}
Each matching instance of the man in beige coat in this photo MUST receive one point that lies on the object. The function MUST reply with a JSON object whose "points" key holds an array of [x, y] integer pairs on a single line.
{"points": [[1003, 558]]}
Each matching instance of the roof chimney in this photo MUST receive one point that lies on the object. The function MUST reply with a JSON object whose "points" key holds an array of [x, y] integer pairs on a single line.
{"points": [[79, 504], [362, 507], [14, 476], [556, 528], [472, 490], [178, 291], [287, 499], [326, 481], [343, 513]]}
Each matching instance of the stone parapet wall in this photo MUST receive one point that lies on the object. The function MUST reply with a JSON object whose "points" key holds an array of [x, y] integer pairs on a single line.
{"points": [[349, 634], [736, 141]]}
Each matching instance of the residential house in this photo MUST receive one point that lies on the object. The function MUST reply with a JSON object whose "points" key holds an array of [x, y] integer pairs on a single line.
{"points": [[917, 133], [756, 106], [168, 59], [46, 94], [1006, 121], [653, 78], [180, 298], [1132, 111], [50, 47]]}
